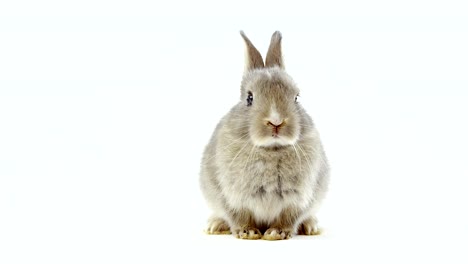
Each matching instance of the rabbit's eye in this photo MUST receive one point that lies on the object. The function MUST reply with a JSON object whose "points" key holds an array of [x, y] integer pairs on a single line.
{"points": [[295, 99], [249, 98]]}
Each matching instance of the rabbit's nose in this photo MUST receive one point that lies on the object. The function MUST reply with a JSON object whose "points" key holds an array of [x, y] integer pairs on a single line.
{"points": [[275, 123]]}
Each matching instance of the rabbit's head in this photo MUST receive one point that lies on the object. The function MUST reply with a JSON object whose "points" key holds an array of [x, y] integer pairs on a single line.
{"points": [[269, 97]]}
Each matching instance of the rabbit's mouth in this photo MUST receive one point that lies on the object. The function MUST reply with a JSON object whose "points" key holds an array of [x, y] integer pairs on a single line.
{"points": [[275, 140], [271, 134]]}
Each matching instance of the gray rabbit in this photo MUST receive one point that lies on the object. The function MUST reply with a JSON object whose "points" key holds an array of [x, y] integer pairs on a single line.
{"points": [[264, 172]]}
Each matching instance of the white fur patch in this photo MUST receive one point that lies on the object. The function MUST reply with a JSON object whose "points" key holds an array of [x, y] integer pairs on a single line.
{"points": [[274, 141], [275, 117]]}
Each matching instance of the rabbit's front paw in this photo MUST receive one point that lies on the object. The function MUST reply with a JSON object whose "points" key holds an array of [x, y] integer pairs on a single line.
{"points": [[277, 234], [247, 232], [309, 227], [217, 226]]}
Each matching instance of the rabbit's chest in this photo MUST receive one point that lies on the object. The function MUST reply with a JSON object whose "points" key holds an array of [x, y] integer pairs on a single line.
{"points": [[266, 185], [272, 178]]}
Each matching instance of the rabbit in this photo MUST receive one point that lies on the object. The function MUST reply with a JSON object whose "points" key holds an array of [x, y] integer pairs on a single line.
{"points": [[264, 171]]}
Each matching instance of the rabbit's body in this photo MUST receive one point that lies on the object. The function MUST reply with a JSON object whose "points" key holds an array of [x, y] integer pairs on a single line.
{"points": [[264, 172]]}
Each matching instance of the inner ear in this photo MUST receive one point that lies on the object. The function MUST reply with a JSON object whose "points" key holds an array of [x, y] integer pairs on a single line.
{"points": [[274, 56], [253, 58]]}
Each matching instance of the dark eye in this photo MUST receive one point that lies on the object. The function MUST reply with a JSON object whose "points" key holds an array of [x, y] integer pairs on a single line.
{"points": [[249, 98], [295, 99]]}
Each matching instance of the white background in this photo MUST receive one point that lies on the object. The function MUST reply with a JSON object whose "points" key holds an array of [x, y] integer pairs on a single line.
{"points": [[106, 106]]}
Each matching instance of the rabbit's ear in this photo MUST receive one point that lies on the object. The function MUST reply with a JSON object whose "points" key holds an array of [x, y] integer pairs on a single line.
{"points": [[253, 58], [274, 57]]}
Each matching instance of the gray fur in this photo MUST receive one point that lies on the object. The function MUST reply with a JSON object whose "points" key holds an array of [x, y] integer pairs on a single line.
{"points": [[255, 179]]}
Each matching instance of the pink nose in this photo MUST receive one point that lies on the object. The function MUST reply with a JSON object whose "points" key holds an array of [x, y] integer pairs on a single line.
{"points": [[276, 127], [275, 123]]}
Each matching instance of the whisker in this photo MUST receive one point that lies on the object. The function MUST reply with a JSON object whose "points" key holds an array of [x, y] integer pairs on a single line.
{"points": [[248, 158], [235, 157], [233, 142], [297, 155], [309, 161]]}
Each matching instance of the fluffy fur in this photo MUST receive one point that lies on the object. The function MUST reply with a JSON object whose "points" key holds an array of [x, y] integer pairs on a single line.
{"points": [[264, 171]]}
